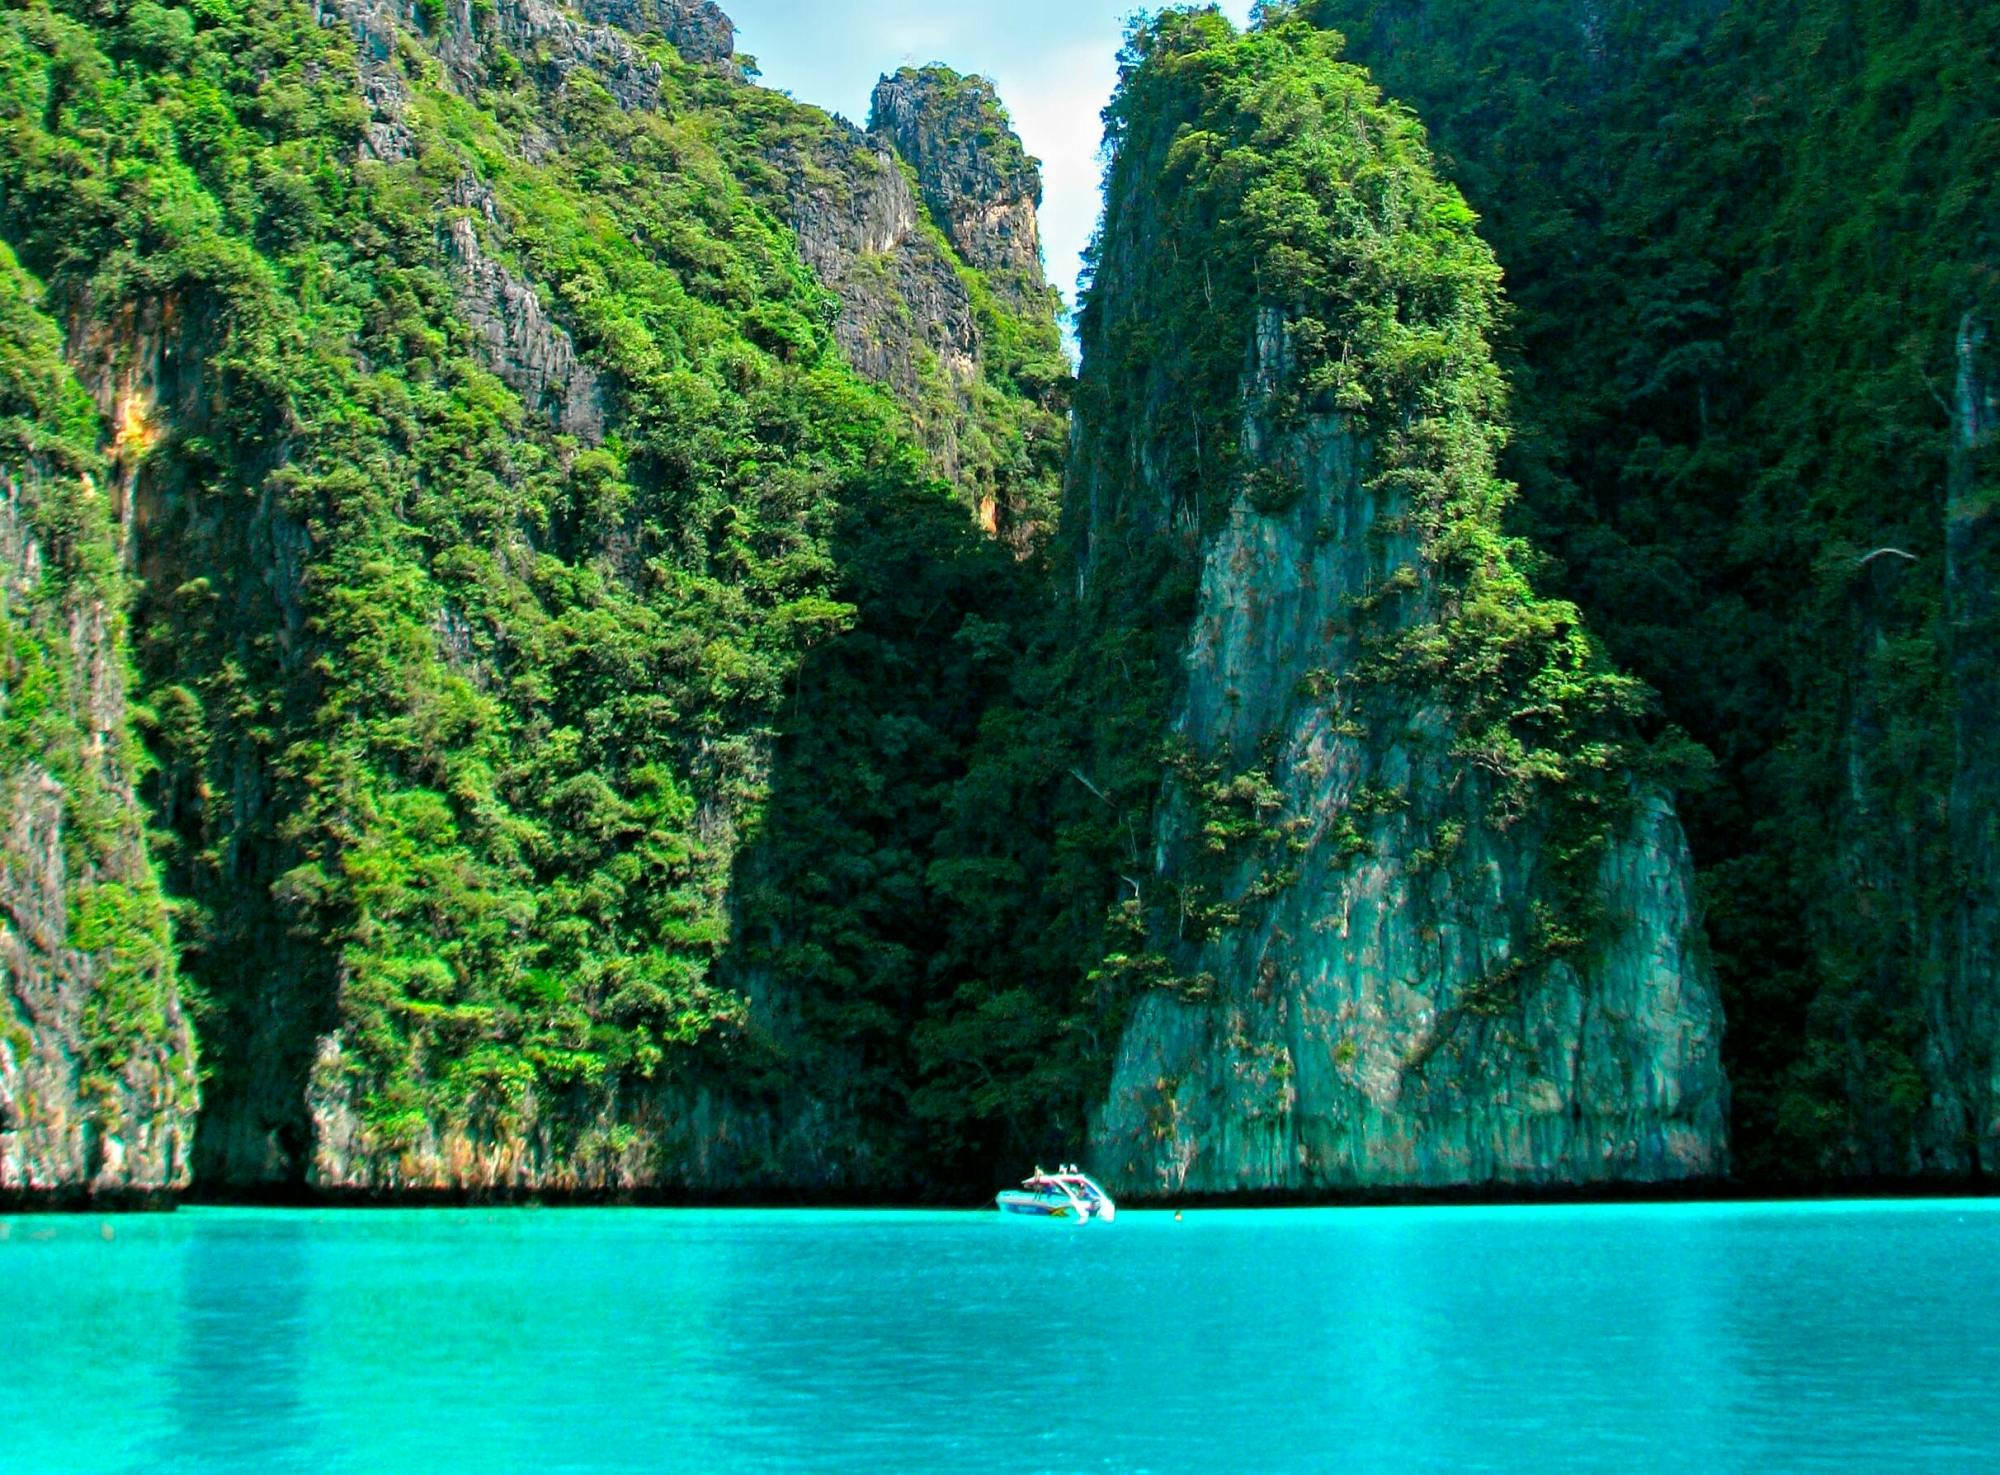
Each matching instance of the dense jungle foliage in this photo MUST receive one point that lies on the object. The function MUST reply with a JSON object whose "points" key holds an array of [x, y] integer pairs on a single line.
{"points": [[1740, 241], [458, 720], [565, 688]]}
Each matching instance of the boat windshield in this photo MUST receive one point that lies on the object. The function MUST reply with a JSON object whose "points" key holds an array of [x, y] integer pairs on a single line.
{"points": [[1064, 1184]]}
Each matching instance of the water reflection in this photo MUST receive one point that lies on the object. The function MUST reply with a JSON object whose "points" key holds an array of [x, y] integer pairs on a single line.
{"points": [[528, 1341], [244, 1318]]}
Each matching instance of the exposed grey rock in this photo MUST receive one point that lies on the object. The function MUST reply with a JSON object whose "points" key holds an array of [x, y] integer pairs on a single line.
{"points": [[375, 24], [553, 39], [980, 184], [554, 43], [1965, 1021], [698, 29], [1354, 1032], [859, 227], [895, 255], [87, 1104], [521, 343]]}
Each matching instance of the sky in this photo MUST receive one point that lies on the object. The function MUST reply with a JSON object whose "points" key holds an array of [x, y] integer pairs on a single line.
{"points": [[1054, 60]]}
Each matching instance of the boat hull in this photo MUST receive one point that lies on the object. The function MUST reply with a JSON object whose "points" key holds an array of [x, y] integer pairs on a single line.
{"points": [[1035, 1208]]}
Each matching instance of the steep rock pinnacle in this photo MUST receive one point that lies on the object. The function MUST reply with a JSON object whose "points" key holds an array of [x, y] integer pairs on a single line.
{"points": [[980, 183]]}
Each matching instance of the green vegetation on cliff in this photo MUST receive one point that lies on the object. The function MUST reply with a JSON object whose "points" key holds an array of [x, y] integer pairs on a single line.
{"points": [[967, 338], [614, 709], [470, 628], [105, 936], [1741, 242], [1256, 179]]}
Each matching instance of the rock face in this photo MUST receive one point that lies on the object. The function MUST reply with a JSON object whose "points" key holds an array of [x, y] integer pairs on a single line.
{"points": [[1358, 1033], [519, 341], [97, 1073], [598, 36], [1966, 1021], [1845, 708], [980, 184], [905, 315], [698, 29], [1397, 929], [373, 23], [79, 1113], [704, 1138], [147, 366], [670, 417], [896, 258]]}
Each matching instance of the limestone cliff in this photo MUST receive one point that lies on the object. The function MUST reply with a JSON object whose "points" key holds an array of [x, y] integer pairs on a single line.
{"points": [[485, 468], [698, 29], [977, 179], [1967, 1026], [97, 1074], [906, 318], [1383, 1017], [1668, 184], [948, 340], [1399, 926], [519, 340], [601, 37], [593, 749]]}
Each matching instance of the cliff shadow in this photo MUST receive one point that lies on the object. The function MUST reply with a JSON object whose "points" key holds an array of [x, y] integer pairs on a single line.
{"points": [[868, 904]]}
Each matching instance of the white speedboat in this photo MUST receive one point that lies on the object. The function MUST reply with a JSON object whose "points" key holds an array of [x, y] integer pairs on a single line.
{"points": [[1068, 1193]]}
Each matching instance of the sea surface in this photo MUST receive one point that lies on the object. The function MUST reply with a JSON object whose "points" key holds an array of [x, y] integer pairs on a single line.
{"points": [[1706, 1338]]}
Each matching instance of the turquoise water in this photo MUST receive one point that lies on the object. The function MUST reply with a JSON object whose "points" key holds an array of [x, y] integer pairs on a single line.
{"points": [[1705, 1338]]}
